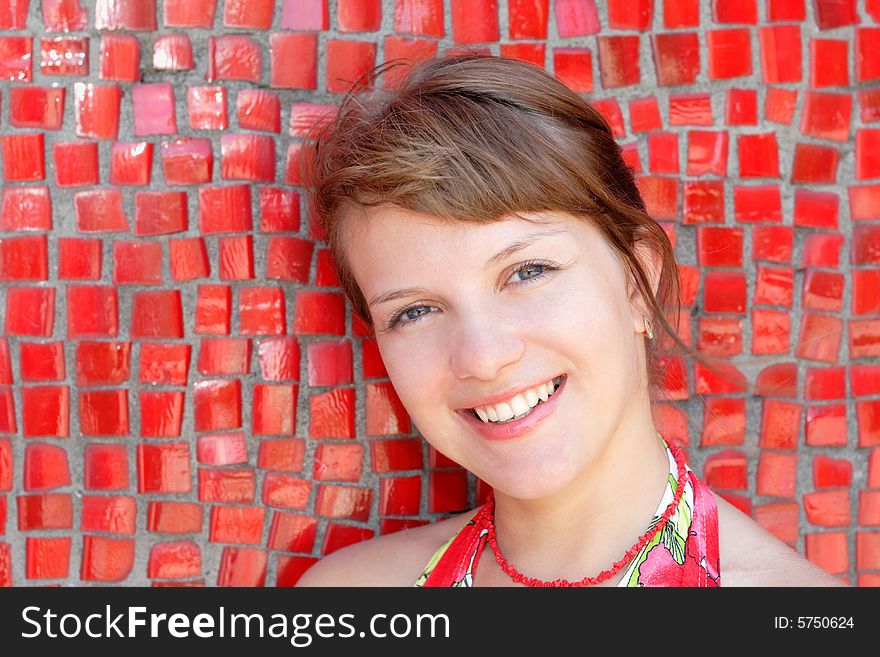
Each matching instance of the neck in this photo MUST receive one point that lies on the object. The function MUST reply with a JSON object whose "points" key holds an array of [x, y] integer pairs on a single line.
{"points": [[583, 528]]}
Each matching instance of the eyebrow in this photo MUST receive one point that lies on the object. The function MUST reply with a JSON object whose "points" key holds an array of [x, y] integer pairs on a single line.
{"points": [[506, 252]]}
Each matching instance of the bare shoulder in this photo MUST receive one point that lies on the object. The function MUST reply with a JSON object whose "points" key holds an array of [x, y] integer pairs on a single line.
{"points": [[392, 560], [752, 556]]}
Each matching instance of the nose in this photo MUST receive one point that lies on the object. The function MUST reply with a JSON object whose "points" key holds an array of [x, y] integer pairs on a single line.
{"points": [[483, 346]]}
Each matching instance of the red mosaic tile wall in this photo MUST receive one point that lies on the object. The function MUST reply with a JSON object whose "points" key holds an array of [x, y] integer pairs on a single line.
{"points": [[184, 397]]}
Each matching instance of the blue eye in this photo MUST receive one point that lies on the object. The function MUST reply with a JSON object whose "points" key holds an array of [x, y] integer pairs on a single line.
{"points": [[400, 317]]}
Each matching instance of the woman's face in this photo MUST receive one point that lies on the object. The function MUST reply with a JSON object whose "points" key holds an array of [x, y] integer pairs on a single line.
{"points": [[482, 327]]}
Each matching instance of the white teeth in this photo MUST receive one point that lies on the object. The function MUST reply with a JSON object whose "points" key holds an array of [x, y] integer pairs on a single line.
{"points": [[519, 406]]}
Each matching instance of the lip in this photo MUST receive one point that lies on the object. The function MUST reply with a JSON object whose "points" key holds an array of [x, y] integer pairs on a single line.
{"points": [[492, 431], [507, 394]]}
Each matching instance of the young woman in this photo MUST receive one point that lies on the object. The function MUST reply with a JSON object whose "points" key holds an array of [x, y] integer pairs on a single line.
{"points": [[484, 224]]}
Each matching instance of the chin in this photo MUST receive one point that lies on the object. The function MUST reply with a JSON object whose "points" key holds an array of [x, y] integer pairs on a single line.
{"points": [[534, 484]]}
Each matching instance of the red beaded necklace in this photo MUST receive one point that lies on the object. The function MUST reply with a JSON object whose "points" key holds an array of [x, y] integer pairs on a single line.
{"points": [[605, 574]]}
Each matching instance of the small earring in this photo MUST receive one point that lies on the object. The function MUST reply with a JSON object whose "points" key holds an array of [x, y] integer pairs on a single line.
{"points": [[649, 327]]}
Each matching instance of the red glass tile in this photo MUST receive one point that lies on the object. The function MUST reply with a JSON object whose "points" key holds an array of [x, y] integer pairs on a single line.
{"points": [[234, 57], [396, 455], [384, 412], [347, 62], [160, 213], [867, 158], [319, 313], [726, 470], [40, 361], [102, 363], [242, 567], [359, 15], [724, 421], [45, 467], [326, 276], [707, 153], [719, 336], [865, 298], [371, 361], [780, 423], [447, 491], [819, 337], [758, 155], [288, 258], [400, 496], [829, 472], [187, 161], [816, 164], [279, 212], [16, 58], [161, 413], [619, 60], [174, 517], [120, 58], [703, 202], [114, 15], [105, 467], [829, 508], [108, 514], [97, 110], [410, 49], [189, 13], [106, 559], [153, 107], [867, 41], [785, 10], [188, 259], [527, 19], [869, 102], [474, 21], [780, 519], [24, 258], [164, 364], [131, 163], [286, 491], [630, 155], [262, 311], [281, 454], [735, 11], [779, 105], [163, 468], [835, 13], [741, 107], [30, 311], [864, 380], [236, 257], [866, 245], [274, 409], [829, 63], [609, 108], [777, 474], [207, 110], [174, 560], [644, 114], [36, 107], [255, 14], [774, 286], [329, 363], [868, 550], [222, 449], [815, 209], [574, 67], [217, 404], [730, 53], [771, 331], [869, 508], [724, 291], [46, 411], [76, 163], [292, 533], [872, 7], [258, 109], [26, 208], [660, 195], [24, 157], [827, 116], [663, 152], [279, 358], [226, 485], [294, 60], [103, 412], [47, 558], [64, 56], [156, 314], [225, 209], [6, 464], [100, 210], [291, 568], [338, 462], [780, 53], [247, 157], [690, 109], [829, 550], [822, 250], [332, 414], [681, 13], [47, 511], [676, 58], [213, 309], [13, 15], [79, 258], [719, 247], [173, 52], [867, 414], [825, 383]]}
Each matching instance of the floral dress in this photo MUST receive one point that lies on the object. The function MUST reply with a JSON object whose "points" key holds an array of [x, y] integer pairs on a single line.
{"points": [[683, 553]]}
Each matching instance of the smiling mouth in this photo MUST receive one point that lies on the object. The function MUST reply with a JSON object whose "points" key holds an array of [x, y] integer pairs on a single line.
{"points": [[557, 382]]}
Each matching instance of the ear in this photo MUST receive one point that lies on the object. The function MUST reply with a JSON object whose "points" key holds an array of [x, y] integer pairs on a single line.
{"points": [[652, 264]]}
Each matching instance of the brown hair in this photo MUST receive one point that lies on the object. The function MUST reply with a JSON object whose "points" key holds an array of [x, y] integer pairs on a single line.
{"points": [[476, 138]]}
